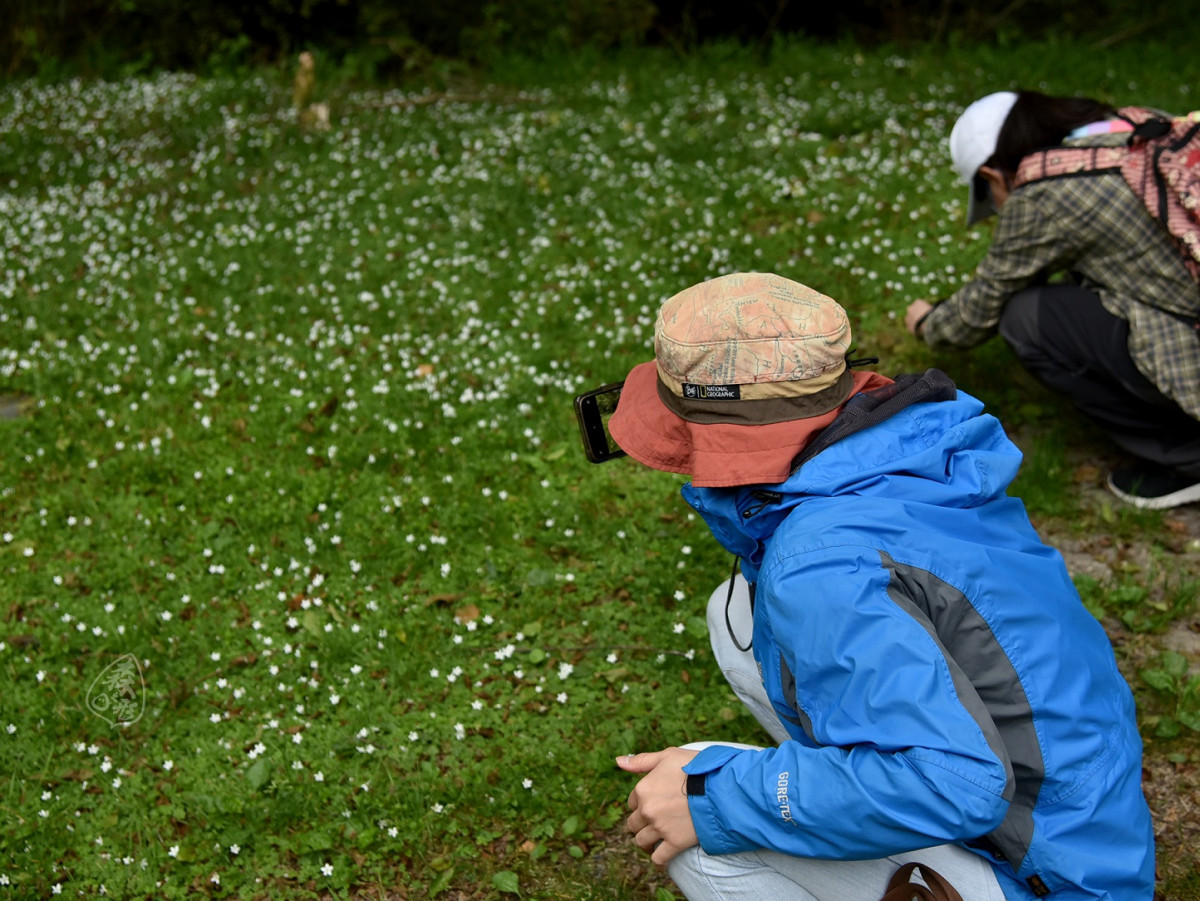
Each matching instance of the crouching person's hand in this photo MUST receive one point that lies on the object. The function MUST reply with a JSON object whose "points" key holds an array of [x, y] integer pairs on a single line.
{"points": [[660, 819]]}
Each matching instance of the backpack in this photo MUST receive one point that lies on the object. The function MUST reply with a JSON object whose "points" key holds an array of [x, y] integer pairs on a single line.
{"points": [[1160, 163]]}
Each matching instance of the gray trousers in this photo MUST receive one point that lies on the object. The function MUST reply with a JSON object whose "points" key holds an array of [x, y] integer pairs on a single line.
{"points": [[755, 875], [1063, 335]]}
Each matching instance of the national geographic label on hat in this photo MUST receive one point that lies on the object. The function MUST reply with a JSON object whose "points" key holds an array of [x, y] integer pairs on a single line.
{"points": [[712, 392]]}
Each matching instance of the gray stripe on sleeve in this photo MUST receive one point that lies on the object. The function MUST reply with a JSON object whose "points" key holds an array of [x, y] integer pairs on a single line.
{"points": [[988, 687]]}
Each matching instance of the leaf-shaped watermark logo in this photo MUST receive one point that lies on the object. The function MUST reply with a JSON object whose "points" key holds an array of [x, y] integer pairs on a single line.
{"points": [[118, 695]]}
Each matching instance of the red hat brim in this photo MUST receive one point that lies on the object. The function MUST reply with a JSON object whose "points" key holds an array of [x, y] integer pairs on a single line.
{"points": [[715, 455]]}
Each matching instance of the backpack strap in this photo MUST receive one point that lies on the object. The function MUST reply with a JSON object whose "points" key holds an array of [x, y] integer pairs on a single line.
{"points": [[1147, 124], [1060, 162], [1160, 163], [1057, 162]]}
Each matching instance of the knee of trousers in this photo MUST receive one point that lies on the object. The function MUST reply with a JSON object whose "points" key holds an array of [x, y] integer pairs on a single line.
{"points": [[1019, 323]]}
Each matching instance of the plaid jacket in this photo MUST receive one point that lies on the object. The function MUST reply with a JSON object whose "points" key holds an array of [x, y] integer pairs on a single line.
{"points": [[1095, 229]]}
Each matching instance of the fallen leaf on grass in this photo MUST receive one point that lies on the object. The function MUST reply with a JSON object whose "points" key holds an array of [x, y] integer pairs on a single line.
{"points": [[467, 614]]}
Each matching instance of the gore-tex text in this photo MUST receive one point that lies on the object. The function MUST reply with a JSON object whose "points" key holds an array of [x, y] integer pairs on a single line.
{"points": [[781, 795]]}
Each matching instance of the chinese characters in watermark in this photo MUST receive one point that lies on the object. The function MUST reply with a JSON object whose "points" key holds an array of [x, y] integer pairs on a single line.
{"points": [[118, 695]]}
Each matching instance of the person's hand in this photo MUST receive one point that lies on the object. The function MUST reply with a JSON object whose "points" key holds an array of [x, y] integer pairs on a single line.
{"points": [[916, 311], [660, 819]]}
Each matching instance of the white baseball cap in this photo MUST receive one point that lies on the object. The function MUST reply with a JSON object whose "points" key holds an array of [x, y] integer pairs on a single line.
{"points": [[973, 140]]}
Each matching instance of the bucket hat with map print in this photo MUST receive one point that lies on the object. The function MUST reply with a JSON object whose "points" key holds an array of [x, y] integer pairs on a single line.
{"points": [[748, 369]]}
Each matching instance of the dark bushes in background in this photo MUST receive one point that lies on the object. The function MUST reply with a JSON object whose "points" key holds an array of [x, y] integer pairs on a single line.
{"points": [[388, 38]]}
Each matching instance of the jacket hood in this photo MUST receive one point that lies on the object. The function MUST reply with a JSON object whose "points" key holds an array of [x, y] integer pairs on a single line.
{"points": [[919, 441]]}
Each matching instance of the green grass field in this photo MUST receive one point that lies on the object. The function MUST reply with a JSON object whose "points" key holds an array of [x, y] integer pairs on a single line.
{"points": [[299, 502]]}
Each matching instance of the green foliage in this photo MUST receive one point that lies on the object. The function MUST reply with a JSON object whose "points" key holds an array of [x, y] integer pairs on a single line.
{"points": [[1105, 22], [376, 38], [1142, 601], [396, 39], [1173, 681]]}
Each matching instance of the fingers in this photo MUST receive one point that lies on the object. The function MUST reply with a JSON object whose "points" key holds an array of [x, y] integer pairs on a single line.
{"points": [[647, 838], [651, 841], [663, 853], [636, 821], [660, 818], [640, 763]]}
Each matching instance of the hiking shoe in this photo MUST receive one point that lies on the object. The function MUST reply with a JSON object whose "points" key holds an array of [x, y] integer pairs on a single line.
{"points": [[1153, 487]]}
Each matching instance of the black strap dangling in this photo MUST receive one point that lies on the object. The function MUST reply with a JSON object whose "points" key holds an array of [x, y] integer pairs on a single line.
{"points": [[729, 601]]}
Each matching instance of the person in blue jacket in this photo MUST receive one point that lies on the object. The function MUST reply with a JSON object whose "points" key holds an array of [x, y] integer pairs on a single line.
{"points": [[935, 688]]}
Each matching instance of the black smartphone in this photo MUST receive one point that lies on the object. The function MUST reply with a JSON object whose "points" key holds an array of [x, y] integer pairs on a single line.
{"points": [[593, 409]]}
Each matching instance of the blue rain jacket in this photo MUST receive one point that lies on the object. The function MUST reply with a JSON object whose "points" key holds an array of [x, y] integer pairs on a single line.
{"points": [[931, 659]]}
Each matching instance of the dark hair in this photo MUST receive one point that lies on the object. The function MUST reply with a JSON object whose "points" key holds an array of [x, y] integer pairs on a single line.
{"points": [[1037, 121]]}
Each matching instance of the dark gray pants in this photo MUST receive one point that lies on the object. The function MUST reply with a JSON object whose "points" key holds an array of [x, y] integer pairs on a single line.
{"points": [[1069, 342]]}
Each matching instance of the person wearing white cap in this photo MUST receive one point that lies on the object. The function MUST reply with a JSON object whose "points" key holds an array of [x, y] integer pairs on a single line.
{"points": [[1119, 336]]}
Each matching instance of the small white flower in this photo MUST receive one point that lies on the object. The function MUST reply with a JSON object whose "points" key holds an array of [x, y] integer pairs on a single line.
{"points": [[173, 851], [327, 869]]}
